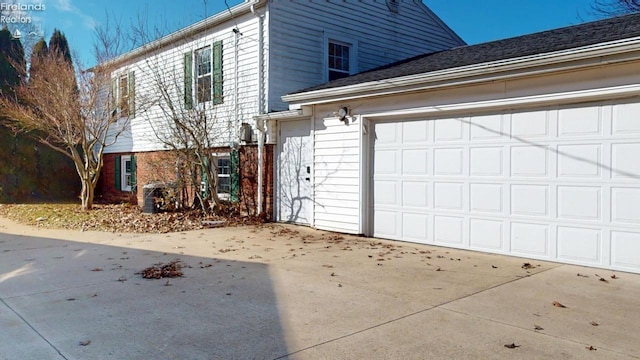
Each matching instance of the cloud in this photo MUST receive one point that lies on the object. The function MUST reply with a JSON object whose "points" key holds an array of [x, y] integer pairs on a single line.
{"points": [[69, 7]]}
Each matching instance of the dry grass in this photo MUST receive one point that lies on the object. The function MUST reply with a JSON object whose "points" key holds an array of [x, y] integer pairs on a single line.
{"points": [[112, 218]]}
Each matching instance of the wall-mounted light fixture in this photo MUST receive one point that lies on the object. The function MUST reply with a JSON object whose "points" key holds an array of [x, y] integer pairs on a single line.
{"points": [[342, 114]]}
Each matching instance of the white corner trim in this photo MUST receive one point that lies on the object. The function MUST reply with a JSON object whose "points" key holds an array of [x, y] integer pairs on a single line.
{"points": [[517, 102]]}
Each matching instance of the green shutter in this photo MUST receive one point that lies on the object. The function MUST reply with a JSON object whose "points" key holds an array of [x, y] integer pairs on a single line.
{"points": [[134, 180], [114, 94], [216, 82], [234, 158], [132, 94], [118, 174], [188, 81]]}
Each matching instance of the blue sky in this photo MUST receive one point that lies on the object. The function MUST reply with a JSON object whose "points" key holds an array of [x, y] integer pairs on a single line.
{"points": [[474, 20]]}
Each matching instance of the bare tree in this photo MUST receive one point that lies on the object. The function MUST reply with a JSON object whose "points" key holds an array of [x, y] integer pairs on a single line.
{"points": [[184, 126], [615, 7], [69, 111]]}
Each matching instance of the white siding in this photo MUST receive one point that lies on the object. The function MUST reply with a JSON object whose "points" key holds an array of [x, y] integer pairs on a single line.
{"points": [[167, 64], [298, 31], [336, 175]]}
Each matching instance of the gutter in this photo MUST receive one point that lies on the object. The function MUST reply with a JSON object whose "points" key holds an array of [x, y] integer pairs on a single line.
{"points": [[261, 108], [482, 71]]}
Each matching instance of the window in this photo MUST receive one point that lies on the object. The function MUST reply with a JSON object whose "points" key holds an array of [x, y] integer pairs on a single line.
{"points": [[123, 94], [228, 185], [224, 175], [203, 74], [125, 169], [338, 60]]}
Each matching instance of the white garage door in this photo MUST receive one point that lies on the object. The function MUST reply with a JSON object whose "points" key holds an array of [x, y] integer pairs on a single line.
{"points": [[561, 185]]}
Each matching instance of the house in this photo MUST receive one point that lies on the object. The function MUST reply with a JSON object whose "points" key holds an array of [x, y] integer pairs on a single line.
{"points": [[235, 66], [526, 146]]}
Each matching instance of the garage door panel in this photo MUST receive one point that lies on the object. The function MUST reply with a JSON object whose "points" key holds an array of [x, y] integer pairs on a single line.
{"points": [[530, 239], [385, 193], [488, 127], [579, 121], [448, 162], [581, 203], [579, 244], [532, 124], [415, 132], [625, 205], [415, 162], [448, 196], [387, 134], [415, 194], [552, 184], [486, 198], [486, 161], [626, 119], [447, 130], [386, 162], [448, 230], [582, 160], [624, 161], [625, 250], [529, 161], [486, 234], [530, 200], [415, 227], [386, 224]]}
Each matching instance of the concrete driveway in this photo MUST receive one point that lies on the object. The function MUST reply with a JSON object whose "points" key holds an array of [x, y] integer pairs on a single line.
{"points": [[285, 292]]}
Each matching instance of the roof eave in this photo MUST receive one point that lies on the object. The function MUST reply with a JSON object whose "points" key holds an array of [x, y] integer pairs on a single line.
{"points": [[202, 25], [473, 73]]}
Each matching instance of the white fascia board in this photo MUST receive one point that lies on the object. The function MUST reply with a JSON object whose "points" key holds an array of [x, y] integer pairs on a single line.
{"points": [[200, 26], [615, 92], [282, 115], [479, 72]]}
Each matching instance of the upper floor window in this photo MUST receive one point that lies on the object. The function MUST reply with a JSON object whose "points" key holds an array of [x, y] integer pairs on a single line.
{"points": [[203, 75], [339, 60], [123, 94]]}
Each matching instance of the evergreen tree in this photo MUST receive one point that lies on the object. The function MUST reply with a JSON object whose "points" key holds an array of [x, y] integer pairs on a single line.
{"points": [[12, 62], [58, 43], [39, 53]]}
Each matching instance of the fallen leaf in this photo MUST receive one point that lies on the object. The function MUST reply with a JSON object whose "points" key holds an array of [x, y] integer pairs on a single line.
{"points": [[339, 285], [614, 276], [591, 348], [438, 269], [494, 267], [537, 327], [333, 274], [97, 269], [558, 305], [581, 275], [594, 323], [511, 346], [85, 342], [167, 283], [71, 299], [604, 280], [527, 266], [122, 279]]}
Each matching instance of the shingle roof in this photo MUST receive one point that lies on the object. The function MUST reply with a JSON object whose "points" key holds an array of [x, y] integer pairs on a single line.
{"points": [[576, 36]]}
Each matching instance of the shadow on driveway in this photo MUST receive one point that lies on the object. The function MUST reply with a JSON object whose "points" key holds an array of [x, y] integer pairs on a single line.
{"points": [[69, 300]]}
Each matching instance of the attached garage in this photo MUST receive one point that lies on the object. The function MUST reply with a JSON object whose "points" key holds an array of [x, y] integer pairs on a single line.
{"points": [[527, 146], [557, 184]]}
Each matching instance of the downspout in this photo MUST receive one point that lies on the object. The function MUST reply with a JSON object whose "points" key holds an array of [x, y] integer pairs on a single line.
{"points": [[260, 123]]}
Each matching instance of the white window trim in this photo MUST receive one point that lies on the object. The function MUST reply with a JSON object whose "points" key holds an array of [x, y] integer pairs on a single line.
{"points": [[216, 156], [353, 53], [124, 184], [196, 77]]}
